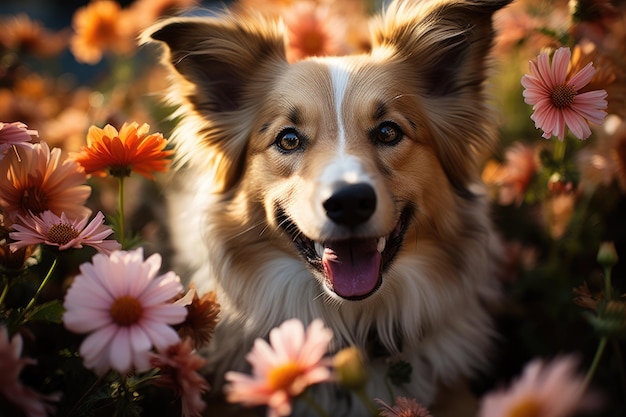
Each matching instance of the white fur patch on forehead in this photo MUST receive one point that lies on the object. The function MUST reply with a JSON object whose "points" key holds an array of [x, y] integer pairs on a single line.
{"points": [[339, 76]]}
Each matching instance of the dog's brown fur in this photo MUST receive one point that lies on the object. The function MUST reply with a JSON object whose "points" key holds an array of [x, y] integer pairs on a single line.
{"points": [[246, 200]]}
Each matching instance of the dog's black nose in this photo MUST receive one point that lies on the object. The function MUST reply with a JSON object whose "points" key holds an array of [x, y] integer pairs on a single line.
{"points": [[351, 204]]}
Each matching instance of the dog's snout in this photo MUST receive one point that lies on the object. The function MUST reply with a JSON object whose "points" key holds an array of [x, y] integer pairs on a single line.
{"points": [[351, 204]]}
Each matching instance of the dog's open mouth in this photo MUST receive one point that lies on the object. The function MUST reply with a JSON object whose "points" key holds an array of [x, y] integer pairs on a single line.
{"points": [[352, 268]]}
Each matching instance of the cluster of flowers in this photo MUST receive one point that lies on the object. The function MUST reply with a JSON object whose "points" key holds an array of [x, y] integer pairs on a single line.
{"points": [[63, 266], [136, 320]]}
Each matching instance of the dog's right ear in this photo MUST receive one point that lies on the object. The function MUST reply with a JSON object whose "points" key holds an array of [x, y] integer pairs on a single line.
{"points": [[219, 67]]}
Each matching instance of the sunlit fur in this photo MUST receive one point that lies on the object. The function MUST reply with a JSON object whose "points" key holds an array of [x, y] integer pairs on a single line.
{"points": [[236, 92]]}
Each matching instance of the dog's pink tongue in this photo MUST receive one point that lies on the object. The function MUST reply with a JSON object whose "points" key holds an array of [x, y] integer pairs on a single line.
{"points": [[352, 266]]}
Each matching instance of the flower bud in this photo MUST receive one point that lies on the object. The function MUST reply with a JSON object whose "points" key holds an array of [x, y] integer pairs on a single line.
{"points": [[350, 368], [607, 255]]}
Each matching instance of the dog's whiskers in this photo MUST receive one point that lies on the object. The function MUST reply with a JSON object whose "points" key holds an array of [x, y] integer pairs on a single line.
{"points": [[247, 230]]}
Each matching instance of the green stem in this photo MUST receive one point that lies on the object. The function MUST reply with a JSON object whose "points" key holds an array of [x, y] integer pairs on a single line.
{"points": [[314, 405], [33, 300], [559, 150], [596, 360], [86, 393], [607, 283], [121, 210], [368, 403], [5, 290]]}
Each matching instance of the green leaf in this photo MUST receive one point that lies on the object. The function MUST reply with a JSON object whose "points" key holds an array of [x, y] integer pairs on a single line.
{"points": [[51, 311]]}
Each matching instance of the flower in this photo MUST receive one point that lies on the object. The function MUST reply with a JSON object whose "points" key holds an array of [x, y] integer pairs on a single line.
{"points": [[65, 233], [146, 12], [512, 178], [29, 401], [132, 149], [349, 368], [14, 134], [312, 31], [201, 319], [544, 390], [556, 97], [282, 369], [22, 34], [100, 26], [178, 366], [33, 180], [126, 308], [403, 407]]}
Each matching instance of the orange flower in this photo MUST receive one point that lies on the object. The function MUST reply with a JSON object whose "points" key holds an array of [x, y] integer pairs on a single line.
{"points": [[33, 180], [100, 26], [132, 149]]}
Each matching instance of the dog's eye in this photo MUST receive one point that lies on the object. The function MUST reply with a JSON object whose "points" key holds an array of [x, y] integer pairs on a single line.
{"points": [[387, 133], [288, 140]]}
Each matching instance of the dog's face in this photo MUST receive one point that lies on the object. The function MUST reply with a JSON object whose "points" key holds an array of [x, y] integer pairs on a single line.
{"points": [[343, 164], [354, 160]]}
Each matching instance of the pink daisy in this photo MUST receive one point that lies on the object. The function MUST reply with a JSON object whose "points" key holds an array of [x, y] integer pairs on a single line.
{"points": [[283, 369], [14, 134], [544, 390], [33, 180], [179, 365], [50, 229], [557, 100], [126, 309], [403, 407], [29, 401]]}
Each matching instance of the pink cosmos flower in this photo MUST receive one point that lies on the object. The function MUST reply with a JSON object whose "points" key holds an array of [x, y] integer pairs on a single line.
{"points": [[50, 229], [282, 369], [29, 401], [34, 179], [403, 407], [179, 365], [14, 134], [557, 100], [126, 309], [544, 390]]}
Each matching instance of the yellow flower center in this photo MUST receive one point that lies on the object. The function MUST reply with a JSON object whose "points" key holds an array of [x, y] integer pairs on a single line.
{"points": [[283, 376], [62, 233], [34, 199], [527, 407], [126, 310], [562, 96]]}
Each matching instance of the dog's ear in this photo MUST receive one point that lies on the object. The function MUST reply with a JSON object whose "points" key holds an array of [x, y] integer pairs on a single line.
{"points": [[220, 67], [444, 44]]}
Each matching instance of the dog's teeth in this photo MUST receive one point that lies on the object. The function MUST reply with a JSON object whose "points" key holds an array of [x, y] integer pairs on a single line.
{"points": [[380, 246], [319, 248]]}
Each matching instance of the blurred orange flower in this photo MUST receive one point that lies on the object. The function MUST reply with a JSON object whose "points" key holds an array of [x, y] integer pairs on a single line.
{"points": [[100, 26], [118, 154], [20, 33], [146, 12], [312, 31]]}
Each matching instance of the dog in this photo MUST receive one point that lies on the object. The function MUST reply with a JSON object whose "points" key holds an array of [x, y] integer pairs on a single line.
{"points": [[342, 188]]}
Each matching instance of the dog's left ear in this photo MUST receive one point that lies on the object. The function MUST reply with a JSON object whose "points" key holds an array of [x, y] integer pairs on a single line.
{"points": [[443, 45]]}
